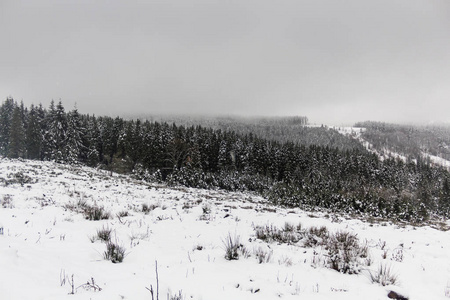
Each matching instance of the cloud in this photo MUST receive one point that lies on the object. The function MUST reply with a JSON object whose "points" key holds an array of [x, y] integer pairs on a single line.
{"points": [[334, 61]]}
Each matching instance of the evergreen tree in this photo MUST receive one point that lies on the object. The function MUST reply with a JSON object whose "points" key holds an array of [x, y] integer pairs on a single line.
{"points": [[111, 133], [6, 115], [55, 138], [94, 144], [124, 143], [444, 200], [41, 116], [16, 147], [224, 155], [136, 149], [33, 135], [74, 137], [23, 114]]}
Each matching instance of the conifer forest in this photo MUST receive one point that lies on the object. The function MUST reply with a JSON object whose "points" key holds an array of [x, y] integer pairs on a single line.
{"points": [[293, 165]]}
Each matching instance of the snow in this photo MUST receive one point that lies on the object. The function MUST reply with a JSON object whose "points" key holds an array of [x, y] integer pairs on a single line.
{"points": [[43, 244], [385, 153], [437, 160], [356, 133]]}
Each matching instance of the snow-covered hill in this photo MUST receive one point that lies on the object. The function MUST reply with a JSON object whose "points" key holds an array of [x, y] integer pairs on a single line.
{"points": [[355, 133], [49, 250]]}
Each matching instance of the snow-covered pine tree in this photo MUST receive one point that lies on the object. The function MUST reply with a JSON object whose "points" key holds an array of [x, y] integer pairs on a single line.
{"points": [[6, 115], [93, 142], [16, 147], [74, 137], [33, 136], [444, 199], [55, 137]]}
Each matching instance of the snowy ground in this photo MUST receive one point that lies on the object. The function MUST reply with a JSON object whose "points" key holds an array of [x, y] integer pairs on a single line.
{"points": [[44, 245]]}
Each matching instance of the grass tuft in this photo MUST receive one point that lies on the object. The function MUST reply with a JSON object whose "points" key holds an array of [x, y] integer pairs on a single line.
{"points": [[104, 234], [383, 276], [114, 252], [233, 247]]}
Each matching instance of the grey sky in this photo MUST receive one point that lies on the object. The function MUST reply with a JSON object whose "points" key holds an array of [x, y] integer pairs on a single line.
{"points": [[333, 61]]}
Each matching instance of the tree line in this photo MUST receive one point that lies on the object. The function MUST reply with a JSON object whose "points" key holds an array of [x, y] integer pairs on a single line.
{"points": [[287, 173], [294, 129]]}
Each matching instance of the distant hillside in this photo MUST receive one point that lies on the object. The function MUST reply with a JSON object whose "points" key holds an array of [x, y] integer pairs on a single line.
{"points": [[281, 129], [413, 142]]}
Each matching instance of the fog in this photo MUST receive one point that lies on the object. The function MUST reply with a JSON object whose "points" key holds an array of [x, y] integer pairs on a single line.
{"points": [[336, 62]]}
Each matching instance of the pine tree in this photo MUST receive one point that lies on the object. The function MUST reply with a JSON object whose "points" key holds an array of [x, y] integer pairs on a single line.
{"points": [[124, 141], [94, 142], [444, 200], [6, 115], [16, 147], [55, 138], [33, 135], [111, 133], [136, 143], [224, 157], [74, 137]]}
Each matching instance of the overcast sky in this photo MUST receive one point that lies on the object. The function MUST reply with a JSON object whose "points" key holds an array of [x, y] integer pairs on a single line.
{"points": [[334, 61]]}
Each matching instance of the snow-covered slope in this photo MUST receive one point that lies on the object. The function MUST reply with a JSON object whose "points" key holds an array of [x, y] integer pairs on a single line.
{"points": [[46, 245], [355, 132]]}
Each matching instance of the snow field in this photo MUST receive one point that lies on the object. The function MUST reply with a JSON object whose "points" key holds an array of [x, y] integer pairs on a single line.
{"points": [[44, 243]]}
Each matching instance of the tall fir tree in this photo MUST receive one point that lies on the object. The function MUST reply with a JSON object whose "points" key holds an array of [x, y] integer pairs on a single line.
{"points": [[33, 136], [16, 147], [74, 137], [56, 134], [94, 142], [6, 115], [444, 199]]}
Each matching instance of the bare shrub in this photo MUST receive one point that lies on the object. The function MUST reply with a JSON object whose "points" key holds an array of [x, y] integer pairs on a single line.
{"points": [[316, 236], [288, 227], [96, 213], [178, 296], [288, 235], [206, 213], [19, 178], [7, 201], [317, 260], [285, 260], [206, 209], [263, 255], [78, 207], [397, 254], [146, 208], [266, 233], [122, 214], [90, 286], [344, 252], [90, 212]]}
